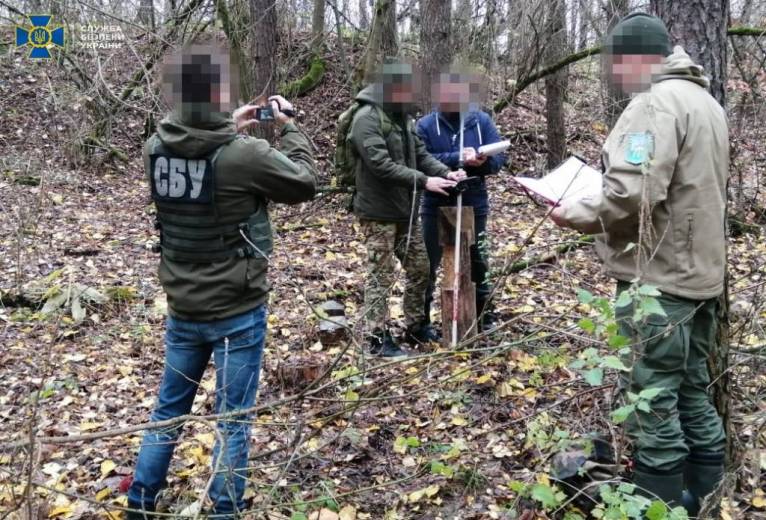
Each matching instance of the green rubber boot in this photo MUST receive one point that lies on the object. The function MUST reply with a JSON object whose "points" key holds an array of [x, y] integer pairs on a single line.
{"points": [[658, 485], [703, 473]]}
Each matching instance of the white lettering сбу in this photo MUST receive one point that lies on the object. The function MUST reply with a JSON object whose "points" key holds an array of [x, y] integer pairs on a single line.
{"points": [[170, 181], [161, 183], [196, 174], [177, 178]]}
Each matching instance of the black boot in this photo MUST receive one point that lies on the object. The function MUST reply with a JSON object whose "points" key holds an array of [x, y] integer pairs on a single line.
{"points": [[660, 485], [703, 473], [422, 333], [144, 513], [382, 344]]}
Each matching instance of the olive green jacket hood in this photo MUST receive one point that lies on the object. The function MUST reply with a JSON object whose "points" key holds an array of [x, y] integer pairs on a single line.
{"points": [[249, 174], [666, 158], [679, 65], [179, 136], [391, 167]]}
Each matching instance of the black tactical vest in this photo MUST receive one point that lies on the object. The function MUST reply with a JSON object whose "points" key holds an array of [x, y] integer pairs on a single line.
{"points": [[191, 230]]}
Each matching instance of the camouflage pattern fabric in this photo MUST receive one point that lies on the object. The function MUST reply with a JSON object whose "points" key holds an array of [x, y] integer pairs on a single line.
{"points": [[385, 243]]}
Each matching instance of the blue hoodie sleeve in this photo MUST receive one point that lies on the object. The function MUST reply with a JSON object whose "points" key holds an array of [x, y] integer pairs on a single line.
{"points": [[491, 134], [451, 159]]}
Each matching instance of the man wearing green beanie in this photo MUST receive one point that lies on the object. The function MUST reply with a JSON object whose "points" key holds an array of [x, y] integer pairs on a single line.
{"points": [[660, 225]]}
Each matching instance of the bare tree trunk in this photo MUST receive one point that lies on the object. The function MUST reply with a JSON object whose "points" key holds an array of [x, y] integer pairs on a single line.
{"points": [[555, 84], [746, 13], [616, 101], [146, 13], [263, 34], [700, 26], [388, 44], [490, 34], [364, 17], [382, 41], [435, 41], [317, 24], [584, 18]]}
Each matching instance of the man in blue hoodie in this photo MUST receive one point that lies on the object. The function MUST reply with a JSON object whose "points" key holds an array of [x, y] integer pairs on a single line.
{"points": [[455, 92]]}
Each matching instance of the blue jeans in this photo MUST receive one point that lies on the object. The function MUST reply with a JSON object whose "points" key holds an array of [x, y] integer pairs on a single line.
{"points": [[188, 347]]}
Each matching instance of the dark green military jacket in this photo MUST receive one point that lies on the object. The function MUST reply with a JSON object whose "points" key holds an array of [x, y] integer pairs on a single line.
{"points": [[249, 174], [390, 166]]}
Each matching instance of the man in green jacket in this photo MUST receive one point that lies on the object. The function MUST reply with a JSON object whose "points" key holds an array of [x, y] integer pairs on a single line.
{"points": [[211, 186], [393, 167], [660, 220]]}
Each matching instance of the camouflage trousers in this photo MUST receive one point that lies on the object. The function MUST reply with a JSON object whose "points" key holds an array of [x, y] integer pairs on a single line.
{"points": [[386, 242], [671, 352]]}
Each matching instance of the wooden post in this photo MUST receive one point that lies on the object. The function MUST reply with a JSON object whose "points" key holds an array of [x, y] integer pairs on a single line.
{"points": [[466, 323]]}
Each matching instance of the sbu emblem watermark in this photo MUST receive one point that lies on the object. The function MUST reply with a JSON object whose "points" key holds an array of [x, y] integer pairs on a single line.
{"points": [[40, 36]]}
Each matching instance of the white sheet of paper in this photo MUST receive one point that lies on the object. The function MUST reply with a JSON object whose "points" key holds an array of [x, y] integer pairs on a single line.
{"points": [[571, 180], [494, 148]]}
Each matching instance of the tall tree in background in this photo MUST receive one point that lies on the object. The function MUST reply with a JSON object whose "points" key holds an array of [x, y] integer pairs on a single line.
{"points": [[263, 34], [583, 19], [616, 101], [700, 26], [556, 83], [382, 40], [317, 24], [364, 17], [435, 41], [146, 13]]}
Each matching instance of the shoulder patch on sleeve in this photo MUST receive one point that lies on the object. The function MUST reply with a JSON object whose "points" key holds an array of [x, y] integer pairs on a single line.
{"points": [[639, 147]]}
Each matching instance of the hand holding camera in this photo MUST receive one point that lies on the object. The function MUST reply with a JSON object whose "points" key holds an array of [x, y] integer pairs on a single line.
{"points": [[276, 109]]}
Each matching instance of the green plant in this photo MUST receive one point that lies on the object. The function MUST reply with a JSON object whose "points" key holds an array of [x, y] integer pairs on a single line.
{"points": [[621, 503]]}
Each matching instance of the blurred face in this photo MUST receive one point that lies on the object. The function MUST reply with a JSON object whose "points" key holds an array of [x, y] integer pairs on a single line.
{"points": [[634, 73], [452, 96], [402, 93], [200, 79]]}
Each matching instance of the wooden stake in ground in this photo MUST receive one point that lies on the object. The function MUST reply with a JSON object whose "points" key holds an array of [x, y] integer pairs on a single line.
{"points": [[465, 303]]}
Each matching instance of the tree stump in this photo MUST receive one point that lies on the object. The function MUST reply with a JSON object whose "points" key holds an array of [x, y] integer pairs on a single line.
{"points": [[466, 318]]}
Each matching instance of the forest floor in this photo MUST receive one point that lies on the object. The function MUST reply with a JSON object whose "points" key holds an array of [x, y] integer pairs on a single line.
{"points": [[442, 434]]}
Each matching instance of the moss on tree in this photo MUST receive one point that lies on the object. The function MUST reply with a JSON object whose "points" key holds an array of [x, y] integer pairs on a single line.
{"points": [[311, 79]]}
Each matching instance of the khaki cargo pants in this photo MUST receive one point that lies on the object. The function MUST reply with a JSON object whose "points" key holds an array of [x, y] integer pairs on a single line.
{"points": [[386, 242], [671, 352]]}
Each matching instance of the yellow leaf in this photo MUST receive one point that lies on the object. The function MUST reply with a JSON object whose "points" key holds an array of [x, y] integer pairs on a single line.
{"points": [[101, 495], [107, 467], [324, 514], [61, 510], [432, 490], [504, 389], [330, 256], [759, 500], [543, 479], [85, 426], [459, 421], [205, 438], [486, 378], [125, 370], [198, 455], [416, 495], [347, 513], [527, 363]]}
